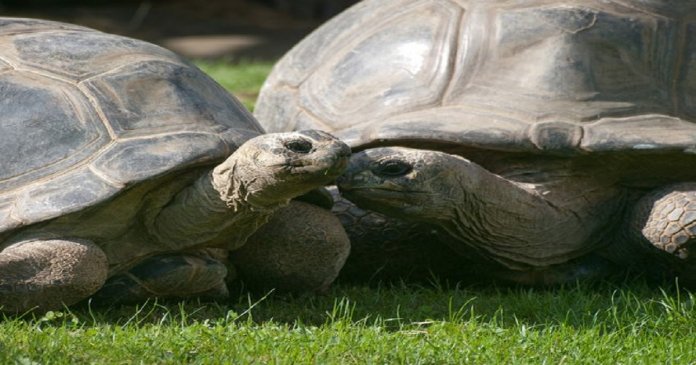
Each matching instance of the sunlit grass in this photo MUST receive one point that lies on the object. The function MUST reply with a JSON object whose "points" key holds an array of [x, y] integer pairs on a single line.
{"points": [[605, 323]]}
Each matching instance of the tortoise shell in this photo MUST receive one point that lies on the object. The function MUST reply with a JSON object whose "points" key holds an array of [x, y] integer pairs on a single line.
{"points": [[557, 77], [88, 114]]}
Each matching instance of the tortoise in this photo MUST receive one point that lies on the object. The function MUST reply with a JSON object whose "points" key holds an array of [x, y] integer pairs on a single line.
{"points": [[122, 161], [553, 139]]}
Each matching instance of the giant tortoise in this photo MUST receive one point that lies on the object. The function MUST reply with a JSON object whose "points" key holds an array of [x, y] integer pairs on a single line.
{"points": [[549, 137], [121, 160]]}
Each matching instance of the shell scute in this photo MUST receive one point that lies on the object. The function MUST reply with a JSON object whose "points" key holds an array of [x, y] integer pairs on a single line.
{"points": [[10, 26], [151, 97], [80, 55], [556, 137], [87, 115], [65, 193], [47, 127], [370, 72], [142, 158], [645, 133]]}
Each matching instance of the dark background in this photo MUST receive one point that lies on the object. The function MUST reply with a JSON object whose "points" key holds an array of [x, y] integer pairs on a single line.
{"points": [[233, 30]]}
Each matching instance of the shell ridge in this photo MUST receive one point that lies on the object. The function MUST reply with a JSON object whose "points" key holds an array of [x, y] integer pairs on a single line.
{"points": [[104, 177], [454, 56], [681, 41], [100, 113], [73, 168], [145, 58], [472, 49]]}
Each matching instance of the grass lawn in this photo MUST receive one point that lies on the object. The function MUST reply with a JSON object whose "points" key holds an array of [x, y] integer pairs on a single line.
{"points": [[605, 323]]}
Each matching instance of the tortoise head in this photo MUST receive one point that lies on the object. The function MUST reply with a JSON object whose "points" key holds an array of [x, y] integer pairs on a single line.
{"points": [[274, 168], [402, 182]]}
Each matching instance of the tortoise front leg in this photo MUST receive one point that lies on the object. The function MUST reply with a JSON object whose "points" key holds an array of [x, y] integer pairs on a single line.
{"points": [[177, 275], [666, 220], [49, 274], [301, 249]]}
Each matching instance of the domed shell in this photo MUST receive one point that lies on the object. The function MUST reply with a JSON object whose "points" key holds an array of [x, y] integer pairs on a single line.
{"points": [[556, 77], [88, 114]]}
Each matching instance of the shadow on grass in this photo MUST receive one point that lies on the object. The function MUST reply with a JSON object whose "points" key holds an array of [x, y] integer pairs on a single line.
{"points": [[607, 306]]}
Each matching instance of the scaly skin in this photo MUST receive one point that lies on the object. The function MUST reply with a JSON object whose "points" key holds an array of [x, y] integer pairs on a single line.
{"points": [[541, 228], [666, 218], [518, 225], [532, 233], [222, 209]]}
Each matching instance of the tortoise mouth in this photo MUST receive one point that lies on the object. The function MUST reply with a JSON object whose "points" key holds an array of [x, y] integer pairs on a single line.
{"points": [[385, 201], [380, 193], [330, 166]]}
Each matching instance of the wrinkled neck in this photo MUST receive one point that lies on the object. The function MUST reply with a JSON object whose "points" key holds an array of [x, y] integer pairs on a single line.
{"points": [[517, 225], [483, 204], [239, 188], [204, 215]]}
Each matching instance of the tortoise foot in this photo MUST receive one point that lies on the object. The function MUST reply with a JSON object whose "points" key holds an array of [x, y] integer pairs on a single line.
{"points": [[666, 219], [167, 276], [49, 274]]}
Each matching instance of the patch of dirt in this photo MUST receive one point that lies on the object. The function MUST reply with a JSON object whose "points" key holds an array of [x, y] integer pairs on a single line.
{"points": [[233, 30]]}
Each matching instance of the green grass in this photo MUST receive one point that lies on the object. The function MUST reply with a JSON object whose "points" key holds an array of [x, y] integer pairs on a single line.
{"points": [[605, 323]]}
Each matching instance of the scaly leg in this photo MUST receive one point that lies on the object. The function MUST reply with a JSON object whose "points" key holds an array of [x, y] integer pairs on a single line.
{"points": [[177, 275], [302, 248], [666, 220], [49, 274]]}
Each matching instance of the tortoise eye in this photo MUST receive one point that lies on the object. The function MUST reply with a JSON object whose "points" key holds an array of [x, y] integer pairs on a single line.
{"points": [[393, 168], [299, 145]]}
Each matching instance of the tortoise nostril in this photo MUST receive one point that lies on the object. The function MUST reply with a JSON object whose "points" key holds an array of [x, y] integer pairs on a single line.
{"points": [[302, 146]]}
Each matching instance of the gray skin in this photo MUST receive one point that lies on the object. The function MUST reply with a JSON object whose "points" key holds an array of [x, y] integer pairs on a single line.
{"points": [[539, 223], [576, 118], [124, 163]]}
